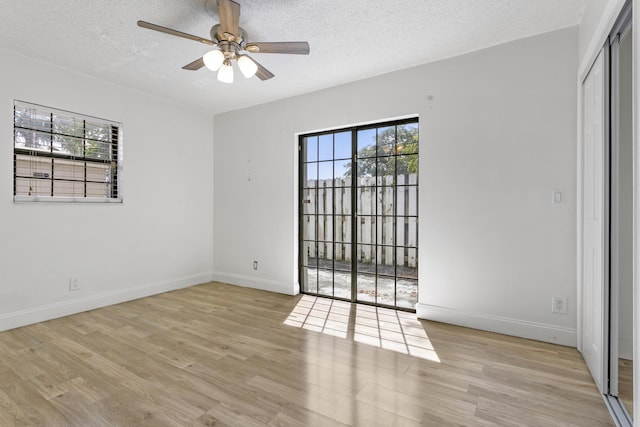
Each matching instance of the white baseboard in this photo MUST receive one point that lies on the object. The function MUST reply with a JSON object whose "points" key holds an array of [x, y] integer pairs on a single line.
{"points": [[502, 325], [65, 308], [257, 283]]}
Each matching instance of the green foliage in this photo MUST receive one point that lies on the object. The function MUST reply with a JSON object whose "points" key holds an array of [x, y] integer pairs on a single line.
{"points": [[81, 138], [397, 149], [66, 135]]}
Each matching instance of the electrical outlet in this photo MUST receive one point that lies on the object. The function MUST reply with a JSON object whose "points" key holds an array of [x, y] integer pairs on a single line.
{"points": [[74, 285], [559, 305], [255, 265]]}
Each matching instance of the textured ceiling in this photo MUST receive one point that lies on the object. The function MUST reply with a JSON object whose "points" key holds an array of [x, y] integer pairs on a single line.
{"points": [[350, 40]]}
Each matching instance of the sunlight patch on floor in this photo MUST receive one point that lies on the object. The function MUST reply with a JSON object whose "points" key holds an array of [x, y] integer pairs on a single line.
{"points": [[394, 330]]}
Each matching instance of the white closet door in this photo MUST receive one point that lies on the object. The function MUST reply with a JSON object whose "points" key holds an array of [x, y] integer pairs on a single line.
{"points": [[593, 222]]}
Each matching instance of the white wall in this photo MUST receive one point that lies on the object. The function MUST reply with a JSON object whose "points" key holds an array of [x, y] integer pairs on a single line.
{"points": [[497, 132], [160, 238]]}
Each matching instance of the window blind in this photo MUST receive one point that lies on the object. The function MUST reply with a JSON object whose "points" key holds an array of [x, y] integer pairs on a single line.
{"points": [[60, 155]]}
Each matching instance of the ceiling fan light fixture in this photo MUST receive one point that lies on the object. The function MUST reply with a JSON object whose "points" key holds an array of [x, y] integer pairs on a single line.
{"points": [[247, 66], [227, 41], [225, 73], [213, 59]]}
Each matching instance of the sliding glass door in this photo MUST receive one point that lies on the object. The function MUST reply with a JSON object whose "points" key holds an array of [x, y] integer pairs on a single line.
{"points": [[359, 214]]}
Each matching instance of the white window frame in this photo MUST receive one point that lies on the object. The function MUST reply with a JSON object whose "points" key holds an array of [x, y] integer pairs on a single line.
{"points": [[114, 157]]}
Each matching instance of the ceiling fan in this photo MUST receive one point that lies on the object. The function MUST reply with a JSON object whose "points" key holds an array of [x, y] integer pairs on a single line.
{"points": [[230, 43]]}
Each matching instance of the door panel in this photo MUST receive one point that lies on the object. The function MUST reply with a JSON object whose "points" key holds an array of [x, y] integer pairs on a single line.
{"points": [[593, 222], [359, 214], [622, 334]]}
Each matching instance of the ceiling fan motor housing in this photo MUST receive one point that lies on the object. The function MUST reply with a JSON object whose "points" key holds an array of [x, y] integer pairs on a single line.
{"points": [[217, 35], [229, 44]]}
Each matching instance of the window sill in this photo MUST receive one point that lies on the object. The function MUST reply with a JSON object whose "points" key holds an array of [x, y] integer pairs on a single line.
{"points": [[49, 199]]}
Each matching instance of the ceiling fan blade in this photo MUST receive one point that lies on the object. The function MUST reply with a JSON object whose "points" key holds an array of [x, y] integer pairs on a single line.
{"points": [[298, 48], [262, 73], [177, 33], [229, 12], [195, 65]]}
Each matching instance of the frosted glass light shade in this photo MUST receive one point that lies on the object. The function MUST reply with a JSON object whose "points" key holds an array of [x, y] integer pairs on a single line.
{"points": [[247, 66], [225, 73], [213, 59]]}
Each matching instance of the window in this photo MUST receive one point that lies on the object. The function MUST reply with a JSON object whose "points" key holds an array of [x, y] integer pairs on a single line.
{"points": [[64, 156]]}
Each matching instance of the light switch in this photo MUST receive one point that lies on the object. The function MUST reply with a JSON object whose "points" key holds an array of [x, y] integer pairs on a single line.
{"points": [[558, 197]]}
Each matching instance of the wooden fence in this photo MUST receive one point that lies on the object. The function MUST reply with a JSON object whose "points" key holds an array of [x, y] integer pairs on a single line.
{"points": [[386, 216]]}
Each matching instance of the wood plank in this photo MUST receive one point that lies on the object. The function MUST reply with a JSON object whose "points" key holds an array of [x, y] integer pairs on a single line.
{"points": [[221, 355]]}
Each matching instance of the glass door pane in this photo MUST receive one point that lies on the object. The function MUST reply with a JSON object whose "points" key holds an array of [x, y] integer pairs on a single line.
{"points": [[326, 215], [387, 214]]}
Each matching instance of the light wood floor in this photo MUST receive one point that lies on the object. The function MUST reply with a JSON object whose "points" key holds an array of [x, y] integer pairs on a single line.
{"points": [[216, 355]]}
